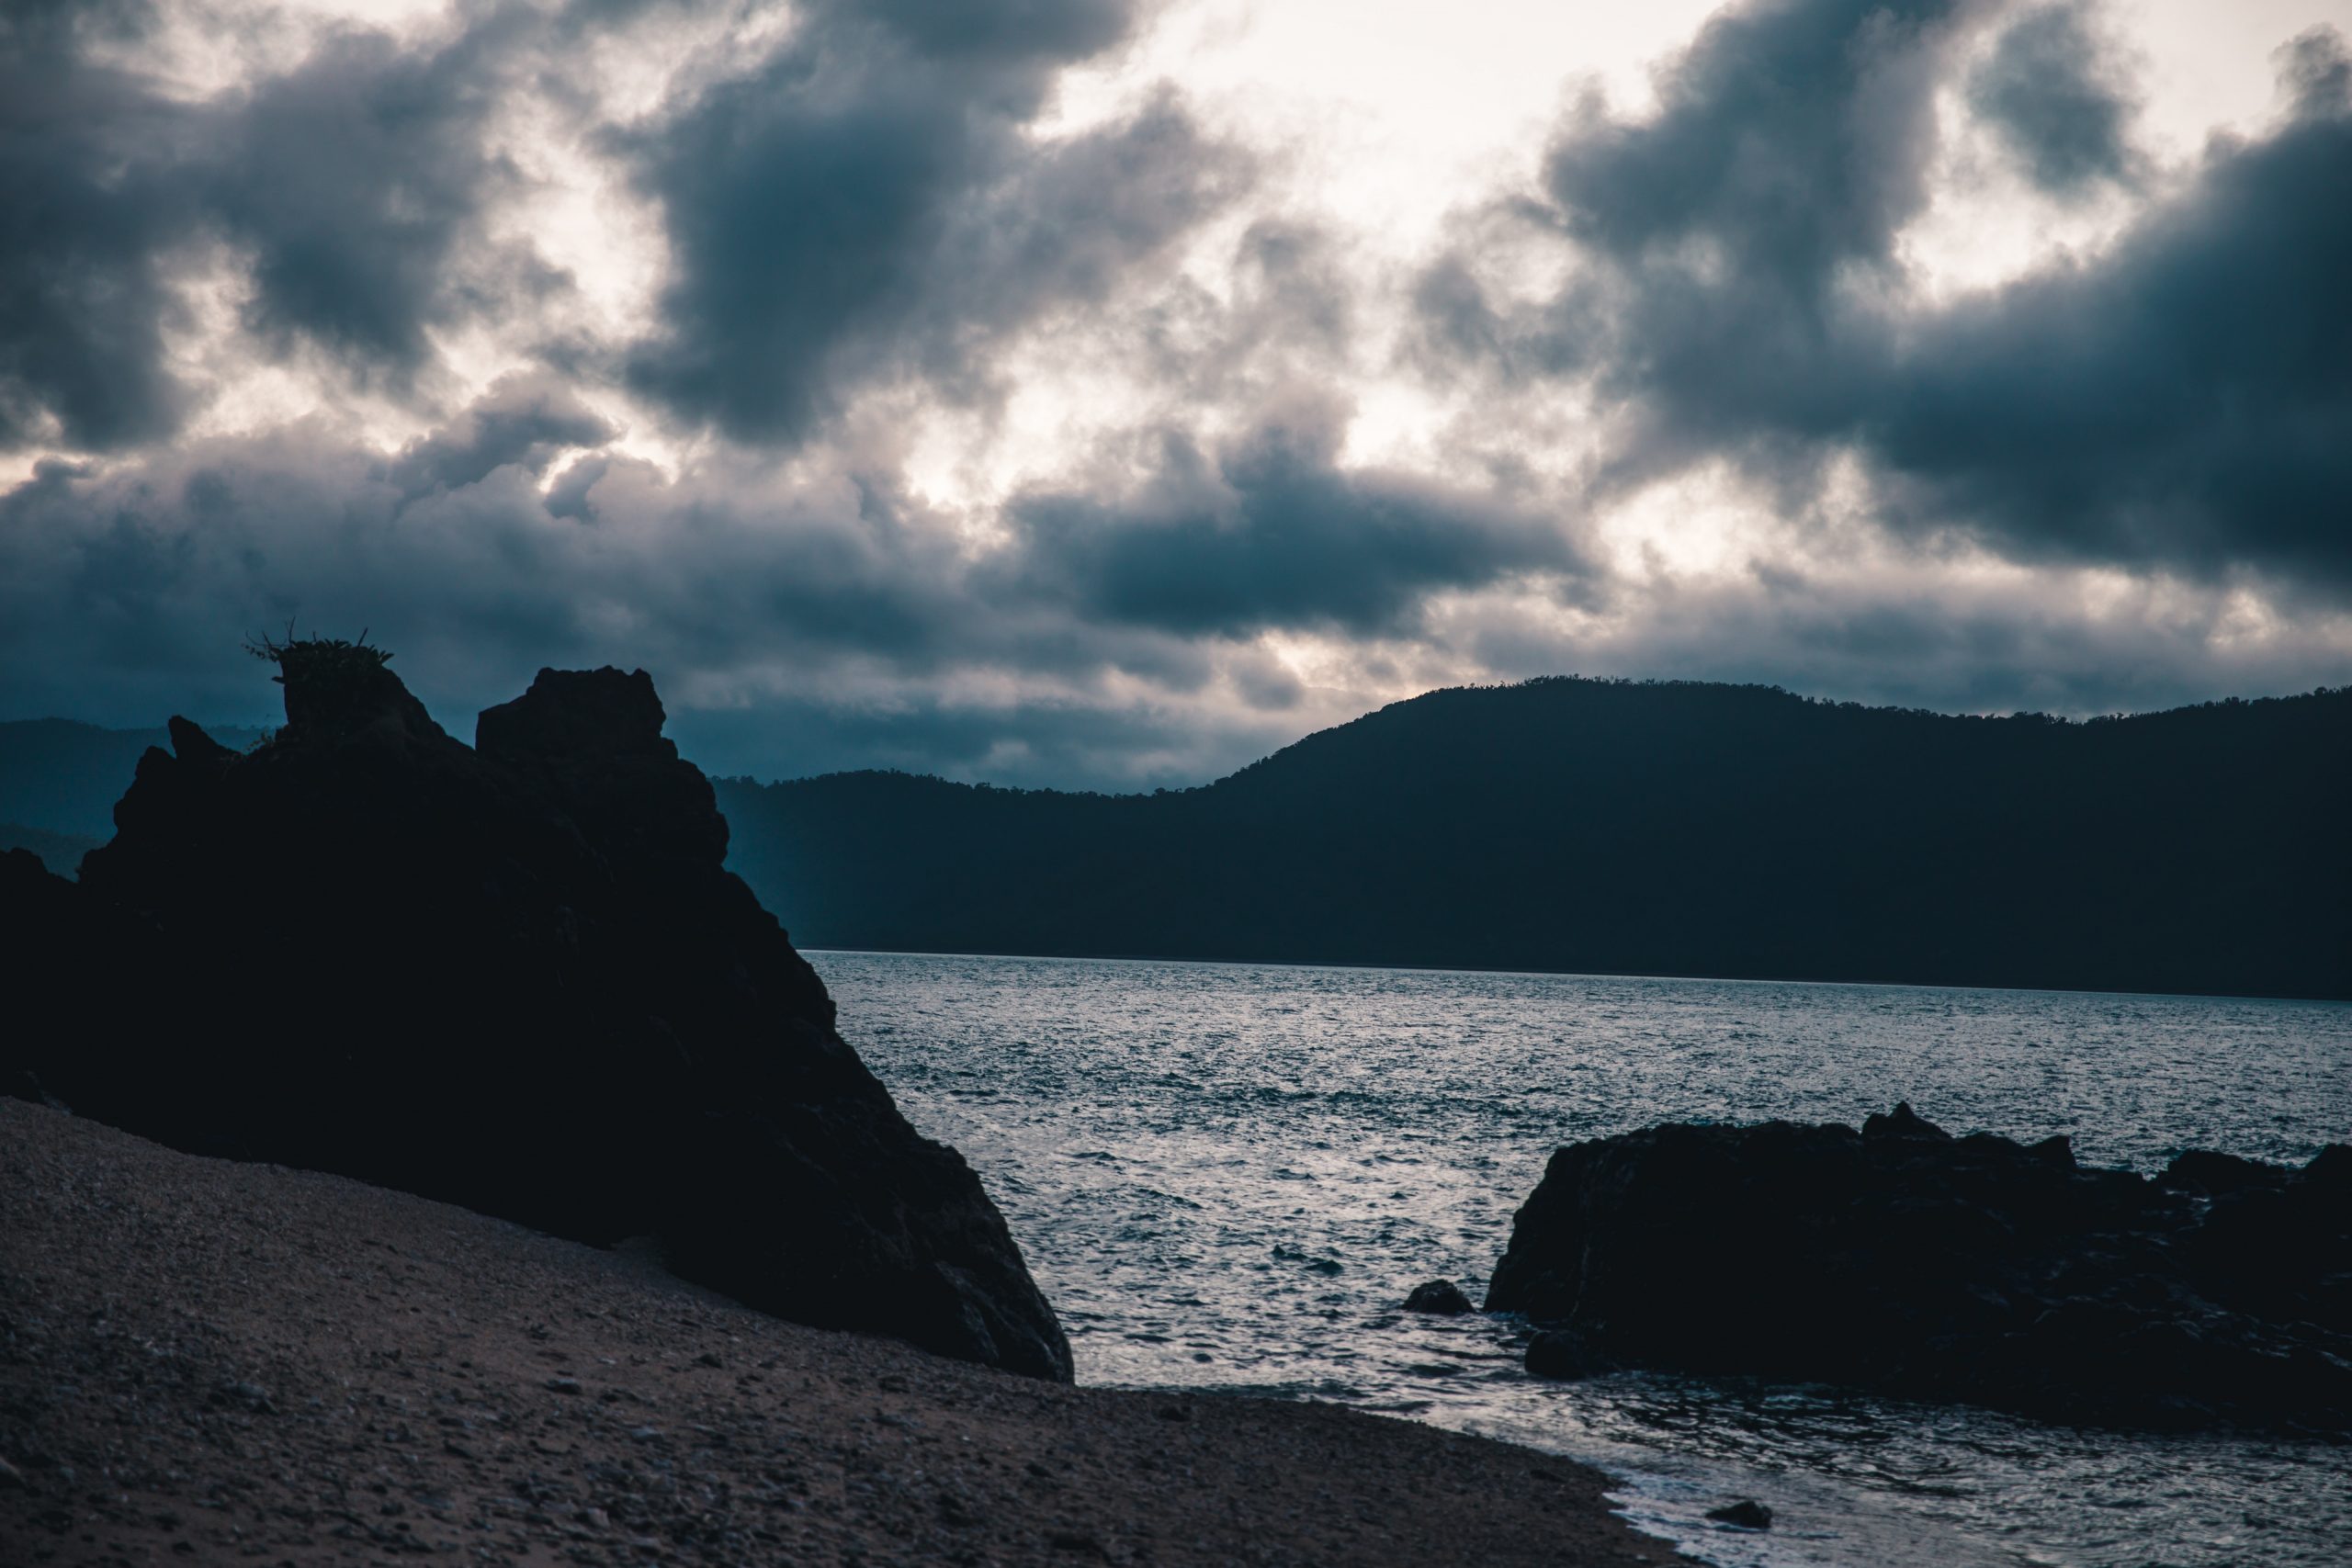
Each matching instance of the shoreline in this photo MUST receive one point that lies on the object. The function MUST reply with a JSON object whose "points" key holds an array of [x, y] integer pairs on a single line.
{"points": [[202, 1360], [1369, 968]]}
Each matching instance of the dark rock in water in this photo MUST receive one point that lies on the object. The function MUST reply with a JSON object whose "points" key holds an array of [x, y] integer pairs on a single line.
{"points": [[516, 976], [1565, 1355], [1747, 1513], [1902, 1259], [1442, 1296]]}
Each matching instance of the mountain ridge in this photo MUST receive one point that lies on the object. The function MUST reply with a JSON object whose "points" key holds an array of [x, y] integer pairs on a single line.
{"points": [[1741, 832], [2198, 848]]}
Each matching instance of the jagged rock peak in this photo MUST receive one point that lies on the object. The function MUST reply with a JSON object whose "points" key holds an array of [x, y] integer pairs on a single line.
{"points": [[591, 741], [576, 713], [190, 744]]}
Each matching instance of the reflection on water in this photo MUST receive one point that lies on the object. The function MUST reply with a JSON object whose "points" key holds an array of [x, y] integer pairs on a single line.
{"points": [[1227, 1176]]}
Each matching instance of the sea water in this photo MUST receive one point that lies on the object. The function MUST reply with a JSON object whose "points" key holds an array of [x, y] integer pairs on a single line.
{"points": [[1226, 1178]]}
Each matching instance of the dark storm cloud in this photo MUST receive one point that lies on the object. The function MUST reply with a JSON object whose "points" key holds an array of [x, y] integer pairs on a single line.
{"points": [[522, 420], [1728, 232], [350, 188], [872, 218], [1790, 145], [869, 206], [1790, 138], [569, 495], [1021, 32], [835, 606], [867, 201], [86, 201], [2188, 399], [1270, 533], [2181, 400], [143, 578], [2051, 90], [355, 182], [147, 572]]}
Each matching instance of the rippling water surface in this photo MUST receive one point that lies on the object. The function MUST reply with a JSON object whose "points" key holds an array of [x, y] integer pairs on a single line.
{"points": [[1226, 1177]]}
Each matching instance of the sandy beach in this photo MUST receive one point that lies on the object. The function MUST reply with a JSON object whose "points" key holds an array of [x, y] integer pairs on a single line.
{"points": [[209, 1361]]}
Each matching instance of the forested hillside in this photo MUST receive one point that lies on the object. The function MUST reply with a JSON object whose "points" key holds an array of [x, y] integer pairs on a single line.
{"points": [[1673, 828]]}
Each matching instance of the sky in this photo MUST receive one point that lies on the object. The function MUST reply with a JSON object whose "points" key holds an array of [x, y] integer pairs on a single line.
{"points": [[1103, 393]]}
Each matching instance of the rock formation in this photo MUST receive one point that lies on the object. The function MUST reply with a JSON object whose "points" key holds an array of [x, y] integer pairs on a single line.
{"points": [[1442, 1297], [516, 976], [1903, 1260]]}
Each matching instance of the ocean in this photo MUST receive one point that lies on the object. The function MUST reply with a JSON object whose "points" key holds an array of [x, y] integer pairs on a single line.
{"points": [[1226, 1177]]}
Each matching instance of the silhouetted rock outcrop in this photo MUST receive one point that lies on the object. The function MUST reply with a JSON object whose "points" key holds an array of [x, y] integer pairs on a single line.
{"points": [[514, 977], [1902, 1258]]}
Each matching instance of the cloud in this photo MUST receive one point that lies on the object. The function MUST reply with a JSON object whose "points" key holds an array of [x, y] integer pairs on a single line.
{"points": [[522, 420], [356, 184], [1790, 137], [803, 616], [934, 422], [2054, 92], [2185, 401], [461, 542], [1021, 33], [350, 189], [867, 201], [124, 584], [1268, 533], [868, 205], [783, 644], [1731, 244], [86, 202], [2180, 401]]}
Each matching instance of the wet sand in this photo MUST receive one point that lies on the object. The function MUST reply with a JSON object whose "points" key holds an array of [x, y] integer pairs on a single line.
{"points": [[205, 1361]]}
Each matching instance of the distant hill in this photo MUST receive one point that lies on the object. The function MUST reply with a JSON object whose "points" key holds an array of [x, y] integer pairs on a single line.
{"points": [[1658, 828], [65, 777]]}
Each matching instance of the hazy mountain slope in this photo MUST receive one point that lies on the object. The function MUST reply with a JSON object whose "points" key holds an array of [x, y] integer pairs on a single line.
{"points": [[1662, 828]]}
